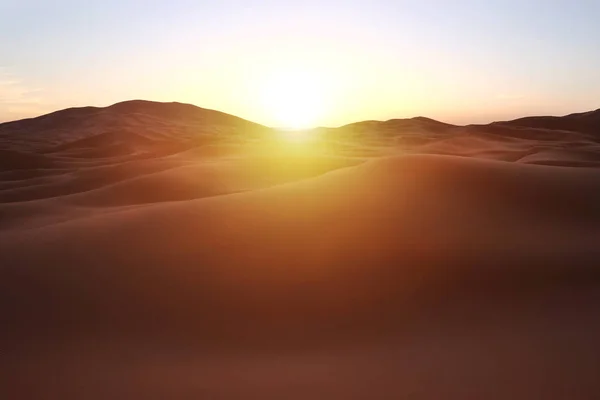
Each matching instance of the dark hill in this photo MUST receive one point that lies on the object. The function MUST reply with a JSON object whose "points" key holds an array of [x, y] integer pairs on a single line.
{"points": [[587, 122], [126, 124]]}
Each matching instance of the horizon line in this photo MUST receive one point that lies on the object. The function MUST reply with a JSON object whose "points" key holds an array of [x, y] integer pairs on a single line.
{"points": [[291, 128]]}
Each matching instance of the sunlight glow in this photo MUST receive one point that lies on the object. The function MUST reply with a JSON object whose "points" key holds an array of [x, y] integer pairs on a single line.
{"points": [[296, 135], [296, 99]]}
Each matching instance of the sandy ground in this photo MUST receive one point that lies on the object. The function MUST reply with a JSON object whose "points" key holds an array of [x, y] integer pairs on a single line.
{"points": [[154, 250]]}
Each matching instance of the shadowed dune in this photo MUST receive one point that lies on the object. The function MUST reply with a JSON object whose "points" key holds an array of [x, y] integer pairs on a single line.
{"points": [[15, 160], [134, 120], [587, 122], [177, 252]]}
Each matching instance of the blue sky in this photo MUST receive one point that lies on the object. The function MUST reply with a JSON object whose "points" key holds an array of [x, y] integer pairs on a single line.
{"points": [[331, 62]]}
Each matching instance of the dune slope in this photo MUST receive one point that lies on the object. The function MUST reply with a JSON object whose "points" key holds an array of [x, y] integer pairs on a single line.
{"points": [[156, 250]]}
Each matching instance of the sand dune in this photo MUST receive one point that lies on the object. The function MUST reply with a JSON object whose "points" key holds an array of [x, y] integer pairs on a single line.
{"points": [[152, 250]]}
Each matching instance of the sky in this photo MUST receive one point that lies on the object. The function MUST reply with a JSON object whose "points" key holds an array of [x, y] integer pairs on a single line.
{"points": [[297, 63]]}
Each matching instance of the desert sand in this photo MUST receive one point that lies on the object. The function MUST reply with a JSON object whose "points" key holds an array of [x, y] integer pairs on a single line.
{"points": [[160, 250]]}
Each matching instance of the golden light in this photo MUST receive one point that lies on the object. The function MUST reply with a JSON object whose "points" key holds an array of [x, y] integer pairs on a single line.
{"points": [[296, 135], [295, 99]]}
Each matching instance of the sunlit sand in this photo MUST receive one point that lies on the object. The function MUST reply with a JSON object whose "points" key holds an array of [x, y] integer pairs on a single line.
{"points": [[170, 249]]}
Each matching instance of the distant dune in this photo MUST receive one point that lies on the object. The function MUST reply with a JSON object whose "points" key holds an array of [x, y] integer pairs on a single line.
{"points": [[129, 122], [167, 251], [587, 122]]}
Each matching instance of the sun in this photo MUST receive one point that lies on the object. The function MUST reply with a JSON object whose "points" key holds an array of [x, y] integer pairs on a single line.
{"points": [[295, 99]]}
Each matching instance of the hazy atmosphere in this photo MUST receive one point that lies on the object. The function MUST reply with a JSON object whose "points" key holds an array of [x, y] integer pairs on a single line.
{"points": [[332, 62], [275, 200]]}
